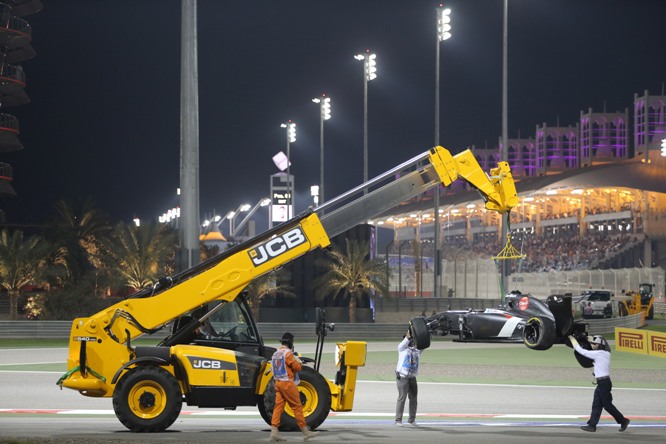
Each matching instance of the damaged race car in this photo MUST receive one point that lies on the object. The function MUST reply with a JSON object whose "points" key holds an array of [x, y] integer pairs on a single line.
{"points": [[539, 325]]}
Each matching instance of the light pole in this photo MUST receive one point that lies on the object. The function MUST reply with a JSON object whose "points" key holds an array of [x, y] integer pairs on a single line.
{"points": [[262, 203], [314, 192], [232, 215], [324, 114], [505, 138], [443, 28], [291, 138], [369, 73]]}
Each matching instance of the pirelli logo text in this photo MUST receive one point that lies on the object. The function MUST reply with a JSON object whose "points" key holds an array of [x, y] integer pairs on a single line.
{"points": [[277, 246], [631, 340], [657, 344]]}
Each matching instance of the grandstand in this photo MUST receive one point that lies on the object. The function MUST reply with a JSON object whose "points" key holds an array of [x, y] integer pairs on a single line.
{"points": [[589, 201]]}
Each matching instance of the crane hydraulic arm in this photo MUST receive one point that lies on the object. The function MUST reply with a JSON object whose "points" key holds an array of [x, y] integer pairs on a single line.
{"points": [[97, 342]]}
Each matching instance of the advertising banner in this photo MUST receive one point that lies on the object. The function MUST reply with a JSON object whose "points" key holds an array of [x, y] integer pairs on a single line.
{"points": [[631, 340], [657, 343], [646, 342]]}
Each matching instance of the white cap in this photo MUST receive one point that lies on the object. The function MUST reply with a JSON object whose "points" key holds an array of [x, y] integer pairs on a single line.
{"points": [[597, 340]]}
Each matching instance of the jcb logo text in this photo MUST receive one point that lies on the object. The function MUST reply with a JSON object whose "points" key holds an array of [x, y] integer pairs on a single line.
{"points": [[277, 246], [206, 363]]}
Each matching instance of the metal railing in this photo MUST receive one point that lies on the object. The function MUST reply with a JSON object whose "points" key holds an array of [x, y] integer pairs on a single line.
{"points": [[271, 332]]}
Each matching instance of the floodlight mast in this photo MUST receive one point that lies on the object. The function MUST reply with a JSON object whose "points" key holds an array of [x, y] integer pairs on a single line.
{"points": [[369, 73], [291, 138], [443, 33], [262, 203], [324, 114]]}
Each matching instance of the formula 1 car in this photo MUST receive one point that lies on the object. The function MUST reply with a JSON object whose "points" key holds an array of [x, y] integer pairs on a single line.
{"points": [[525, 319]]}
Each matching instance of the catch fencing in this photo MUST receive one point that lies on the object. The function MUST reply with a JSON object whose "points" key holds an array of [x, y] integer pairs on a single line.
{"points": [[480, 279]]}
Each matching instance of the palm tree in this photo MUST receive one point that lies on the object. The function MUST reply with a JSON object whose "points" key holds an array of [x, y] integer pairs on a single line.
{"points": [[80, 229], [270, 284], [22, 261], [138, 256], [352, 272]]}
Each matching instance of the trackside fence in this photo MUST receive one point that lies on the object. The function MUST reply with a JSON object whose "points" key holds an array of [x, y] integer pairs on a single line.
{"points": [[271, 332]]}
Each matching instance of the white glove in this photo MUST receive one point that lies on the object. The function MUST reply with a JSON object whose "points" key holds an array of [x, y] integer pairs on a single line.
{"points": [[573, 340]]}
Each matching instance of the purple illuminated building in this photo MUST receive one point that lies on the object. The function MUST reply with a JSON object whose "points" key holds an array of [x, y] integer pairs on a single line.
{"points": [[603, 137], [649, 122]]}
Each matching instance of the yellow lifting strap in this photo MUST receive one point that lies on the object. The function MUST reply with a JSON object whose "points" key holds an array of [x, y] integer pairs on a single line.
{"points": [[509, 251]]}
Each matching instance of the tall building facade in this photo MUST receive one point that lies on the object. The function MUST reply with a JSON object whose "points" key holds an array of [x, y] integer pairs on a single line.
{"points": [[603, 137], [649, 122]]}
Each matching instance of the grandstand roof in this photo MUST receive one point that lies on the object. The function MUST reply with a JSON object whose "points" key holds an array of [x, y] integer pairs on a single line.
{"points": [[634, 173]]}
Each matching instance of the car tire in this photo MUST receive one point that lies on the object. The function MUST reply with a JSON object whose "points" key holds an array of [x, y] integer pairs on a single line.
{"points": [[420, 333], [584, 361], [539, 333]]}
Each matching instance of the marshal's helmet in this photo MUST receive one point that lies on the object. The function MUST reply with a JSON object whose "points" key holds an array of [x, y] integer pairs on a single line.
{"points": [[597, 339], [287, 339]]}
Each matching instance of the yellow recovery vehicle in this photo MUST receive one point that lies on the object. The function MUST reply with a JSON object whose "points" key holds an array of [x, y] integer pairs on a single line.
{"points": [[215, 356], [633, 302]]}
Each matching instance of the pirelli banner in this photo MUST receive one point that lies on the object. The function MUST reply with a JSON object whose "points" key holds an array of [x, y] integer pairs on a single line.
{"points": [[640, 341]]}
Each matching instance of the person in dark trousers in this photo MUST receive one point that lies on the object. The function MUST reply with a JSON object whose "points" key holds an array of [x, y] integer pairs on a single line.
{"points": [[286, 366], [603, 399], [405, 373]]}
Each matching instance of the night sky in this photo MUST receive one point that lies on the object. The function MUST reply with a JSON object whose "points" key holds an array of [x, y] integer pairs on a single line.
{"points": [[104, 117]]}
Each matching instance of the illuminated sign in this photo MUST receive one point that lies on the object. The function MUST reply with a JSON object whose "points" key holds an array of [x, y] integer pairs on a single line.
{"points": [[281, 209]]}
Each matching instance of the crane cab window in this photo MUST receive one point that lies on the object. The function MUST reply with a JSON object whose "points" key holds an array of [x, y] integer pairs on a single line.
{"points": [[231, 323]]}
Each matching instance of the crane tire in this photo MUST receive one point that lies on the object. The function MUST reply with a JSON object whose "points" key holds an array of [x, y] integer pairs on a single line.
{"points": [[315, 399], [147, 399]]}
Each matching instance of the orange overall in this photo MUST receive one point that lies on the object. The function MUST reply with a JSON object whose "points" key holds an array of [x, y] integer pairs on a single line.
{"points": [[285, 364]]}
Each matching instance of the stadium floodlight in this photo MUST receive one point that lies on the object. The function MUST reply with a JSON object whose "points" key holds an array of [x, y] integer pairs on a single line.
{"points": [[443, 23], [324, 114], [291, 138], [369, 73]]}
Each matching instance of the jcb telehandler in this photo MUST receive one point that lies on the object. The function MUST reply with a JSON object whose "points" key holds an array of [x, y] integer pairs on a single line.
{"points": [[633, 302], [215, 355]]}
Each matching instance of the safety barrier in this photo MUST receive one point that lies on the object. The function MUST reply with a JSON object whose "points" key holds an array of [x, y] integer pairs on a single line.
{"points": [[600, 326], [271, 332]]}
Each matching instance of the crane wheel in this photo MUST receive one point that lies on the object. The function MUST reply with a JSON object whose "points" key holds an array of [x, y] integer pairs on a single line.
{"points": [[147, 399], [315, 398], [539, 333]]}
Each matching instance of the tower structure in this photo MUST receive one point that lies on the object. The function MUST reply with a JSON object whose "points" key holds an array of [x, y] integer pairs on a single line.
{"points": [[603, 137], [15, 48], [649, 122]]}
